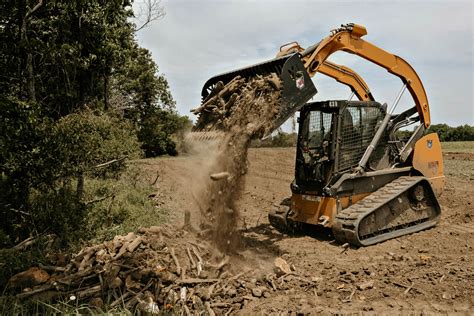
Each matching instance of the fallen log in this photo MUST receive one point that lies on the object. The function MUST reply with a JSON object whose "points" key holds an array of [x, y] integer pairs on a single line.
{"points": [[99, 199], [113, 161], [29, 278]]}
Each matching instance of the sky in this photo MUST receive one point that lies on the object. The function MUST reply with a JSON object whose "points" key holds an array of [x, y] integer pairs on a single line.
{"points": [[198, 39]]}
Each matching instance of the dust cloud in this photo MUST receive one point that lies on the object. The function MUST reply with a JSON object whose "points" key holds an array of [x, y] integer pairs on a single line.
{"points": [[242, 110]]}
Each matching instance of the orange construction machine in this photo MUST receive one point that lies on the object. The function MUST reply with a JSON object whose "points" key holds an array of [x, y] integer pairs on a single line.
{"points": [[353, 174]]}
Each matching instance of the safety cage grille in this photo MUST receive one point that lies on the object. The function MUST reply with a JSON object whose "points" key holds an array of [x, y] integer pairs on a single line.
{"points": [[319, 128], [358, 127]]}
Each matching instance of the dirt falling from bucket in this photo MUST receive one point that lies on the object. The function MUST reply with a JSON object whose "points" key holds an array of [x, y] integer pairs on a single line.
{"points": [[255, 103]]}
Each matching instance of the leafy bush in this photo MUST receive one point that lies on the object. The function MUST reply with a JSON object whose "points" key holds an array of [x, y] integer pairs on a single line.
{"points": [[84, 140], [157, 130], [42, 159], [57, 211], [118, 206]]}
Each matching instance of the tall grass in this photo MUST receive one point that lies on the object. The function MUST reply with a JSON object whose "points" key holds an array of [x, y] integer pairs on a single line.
{"points": [[122, 205], [467, 147], [62, 307]]}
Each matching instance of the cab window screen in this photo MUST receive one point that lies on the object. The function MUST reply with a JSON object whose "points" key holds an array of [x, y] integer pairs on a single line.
{"points": [[358, 127], [319, 128]]}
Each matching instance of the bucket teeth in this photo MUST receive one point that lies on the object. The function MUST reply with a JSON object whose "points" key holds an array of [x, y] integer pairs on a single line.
{"points": [[204, 136]]}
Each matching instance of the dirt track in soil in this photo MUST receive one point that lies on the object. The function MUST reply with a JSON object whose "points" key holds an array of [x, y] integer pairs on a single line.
{"points": [[431, 271]]}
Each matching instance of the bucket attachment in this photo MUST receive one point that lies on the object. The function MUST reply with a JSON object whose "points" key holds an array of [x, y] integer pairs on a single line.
{"points": [[288, 76]]}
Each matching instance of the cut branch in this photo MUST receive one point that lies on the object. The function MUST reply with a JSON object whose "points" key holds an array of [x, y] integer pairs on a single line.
{"points": [[176, 262], [105, 164], [35, 8], [26, 243], [99, 199]]}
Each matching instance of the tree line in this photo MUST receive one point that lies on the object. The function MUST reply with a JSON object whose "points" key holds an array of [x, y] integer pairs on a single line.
{"points": [[445, 132], [451, 134], [76, 91]]}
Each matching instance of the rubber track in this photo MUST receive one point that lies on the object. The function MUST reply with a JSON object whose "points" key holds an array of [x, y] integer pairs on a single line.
{"points": [[346, 223]]}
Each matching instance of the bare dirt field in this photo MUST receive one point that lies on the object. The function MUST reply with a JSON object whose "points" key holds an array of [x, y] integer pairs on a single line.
{"points": [[431, 271]]}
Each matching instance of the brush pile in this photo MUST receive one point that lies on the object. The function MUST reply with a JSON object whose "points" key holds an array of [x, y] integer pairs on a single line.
{"points": [[160, 269]]}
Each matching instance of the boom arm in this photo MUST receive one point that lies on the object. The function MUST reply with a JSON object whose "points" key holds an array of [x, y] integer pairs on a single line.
{"points": [[348, 39], [347, 76]]}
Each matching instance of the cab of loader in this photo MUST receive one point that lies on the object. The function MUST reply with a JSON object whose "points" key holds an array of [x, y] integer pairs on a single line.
{"points": [[332, 138]]}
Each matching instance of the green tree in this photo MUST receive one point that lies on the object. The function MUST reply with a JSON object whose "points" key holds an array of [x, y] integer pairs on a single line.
{"points": [[157, 129], [447, 133], [146, 100], [21, 137], [76, 90]]}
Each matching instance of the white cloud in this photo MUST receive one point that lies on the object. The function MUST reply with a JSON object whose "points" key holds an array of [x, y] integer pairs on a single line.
{"points": [[199, 39]]}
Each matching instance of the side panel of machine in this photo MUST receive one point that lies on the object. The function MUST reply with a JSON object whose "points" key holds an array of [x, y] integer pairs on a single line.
{"points": [[428, 160], [313, 209]]}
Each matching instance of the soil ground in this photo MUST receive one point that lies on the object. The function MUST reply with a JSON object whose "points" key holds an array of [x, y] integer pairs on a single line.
{"points": [[427, 272]]}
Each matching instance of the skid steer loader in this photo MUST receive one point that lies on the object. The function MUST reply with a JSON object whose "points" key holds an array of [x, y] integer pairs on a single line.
{"points": [[352, 173]]}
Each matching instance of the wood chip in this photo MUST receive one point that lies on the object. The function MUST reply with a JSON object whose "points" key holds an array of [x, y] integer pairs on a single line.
{"points": [[122, 251], [195, 281], [191, 259], [209, 309], [176, 262], [198, 255], [408, 288], [88, 292], [134, 244], [219, 176]]}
